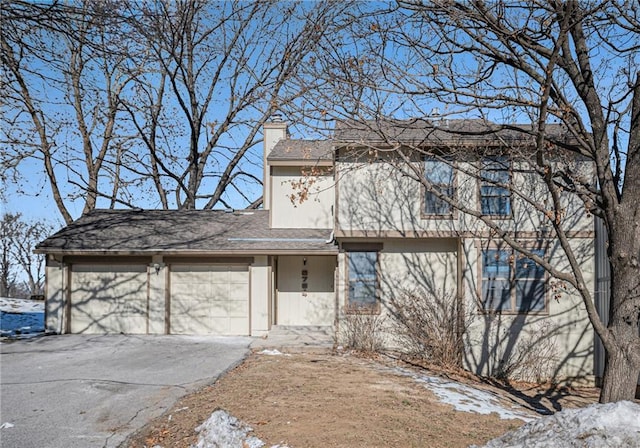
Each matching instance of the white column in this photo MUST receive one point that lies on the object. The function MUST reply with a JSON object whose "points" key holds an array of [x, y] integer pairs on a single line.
{"points": [[260, 295], [56, 275]]}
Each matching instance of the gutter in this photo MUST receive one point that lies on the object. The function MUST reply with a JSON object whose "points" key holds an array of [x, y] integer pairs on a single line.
{"points": [[151, 252]]}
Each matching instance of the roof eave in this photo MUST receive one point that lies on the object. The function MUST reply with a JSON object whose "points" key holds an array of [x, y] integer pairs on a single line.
{"points": [[299, 162], [182, 252]]}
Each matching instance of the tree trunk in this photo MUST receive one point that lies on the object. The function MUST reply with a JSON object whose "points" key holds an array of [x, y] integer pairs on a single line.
{"points": [[623, 346], [620, 377]]}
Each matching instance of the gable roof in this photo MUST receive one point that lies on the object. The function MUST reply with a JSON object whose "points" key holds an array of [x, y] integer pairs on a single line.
{"points": [[191, 232], [311, 152], [439, 132]]}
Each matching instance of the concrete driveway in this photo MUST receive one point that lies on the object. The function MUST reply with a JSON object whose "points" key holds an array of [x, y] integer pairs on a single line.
{"points": [[93, 391]]}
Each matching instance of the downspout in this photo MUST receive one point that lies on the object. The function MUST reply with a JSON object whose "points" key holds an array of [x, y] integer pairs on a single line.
{"points": [[460, 324], [336, 277], [331, 237]]}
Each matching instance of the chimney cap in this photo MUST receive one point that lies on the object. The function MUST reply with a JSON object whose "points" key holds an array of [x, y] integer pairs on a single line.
{"points": [[276, 117]]}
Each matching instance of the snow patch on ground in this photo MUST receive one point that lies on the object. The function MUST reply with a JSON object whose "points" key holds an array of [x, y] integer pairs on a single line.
{"points": [[21, 317], [223, 430], [466, 398], [273, 352], [596, 426]]}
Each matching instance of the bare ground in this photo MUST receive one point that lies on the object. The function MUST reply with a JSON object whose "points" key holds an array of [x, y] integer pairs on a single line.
{"points": [[324, 400]]}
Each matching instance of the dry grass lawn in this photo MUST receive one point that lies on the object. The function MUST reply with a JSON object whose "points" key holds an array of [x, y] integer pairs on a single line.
{"points": [[327, 400]]}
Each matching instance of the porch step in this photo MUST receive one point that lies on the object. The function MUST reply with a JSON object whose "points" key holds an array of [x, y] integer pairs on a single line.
{"points": [[288, 338]]}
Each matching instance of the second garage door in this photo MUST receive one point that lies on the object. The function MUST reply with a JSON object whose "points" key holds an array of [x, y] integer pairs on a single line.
{"points": [[209, 299]]}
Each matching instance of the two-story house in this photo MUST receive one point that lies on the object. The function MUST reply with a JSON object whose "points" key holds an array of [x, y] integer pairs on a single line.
{"points": [[348, 227]]}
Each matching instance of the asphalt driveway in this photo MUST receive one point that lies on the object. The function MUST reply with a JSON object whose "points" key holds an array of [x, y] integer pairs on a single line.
{"points": [[93, 391]]}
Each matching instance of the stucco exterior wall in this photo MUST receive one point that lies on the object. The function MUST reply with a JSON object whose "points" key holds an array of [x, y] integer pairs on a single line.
{"points": [[312, 210], [555, 344], [377, 197], [56, 275], [426, 267], [383, 197]]}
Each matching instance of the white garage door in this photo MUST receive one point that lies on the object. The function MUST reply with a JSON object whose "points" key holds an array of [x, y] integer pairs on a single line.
{"points": [[109, 299], [209, 299]]}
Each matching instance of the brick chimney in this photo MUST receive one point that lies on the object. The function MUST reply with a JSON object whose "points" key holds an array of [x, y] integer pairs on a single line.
{"points": [[273, 131]]}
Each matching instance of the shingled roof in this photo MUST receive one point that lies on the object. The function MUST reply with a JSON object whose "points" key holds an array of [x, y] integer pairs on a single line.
{"points": [[191, 232], [311, 151], [436, 132]]}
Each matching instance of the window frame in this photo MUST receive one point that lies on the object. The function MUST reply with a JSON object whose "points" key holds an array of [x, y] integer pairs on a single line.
{"points": [[513, 280], [450, 163], [486, 181], [375, 307]]}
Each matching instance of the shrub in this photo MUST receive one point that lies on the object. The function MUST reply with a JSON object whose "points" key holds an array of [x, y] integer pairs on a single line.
{"points": [[533, 358], [429, 326], [362, 332]]}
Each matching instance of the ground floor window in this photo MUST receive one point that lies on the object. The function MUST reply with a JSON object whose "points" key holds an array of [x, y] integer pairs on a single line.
{"points": [[362, 295], [512, 282]]}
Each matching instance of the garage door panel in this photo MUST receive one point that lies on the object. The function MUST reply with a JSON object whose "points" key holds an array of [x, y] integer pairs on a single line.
{"points": [[233, 325], [108, 298], [191, 308], [190, 325], [218, 290], [190, 278], [229, 309], [209, 299], [237, 325], [239, 292], [237, 277], [238, 309]]}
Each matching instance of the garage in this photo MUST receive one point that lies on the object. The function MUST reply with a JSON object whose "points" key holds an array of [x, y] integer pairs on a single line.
{"points": [[108, 298], [209, 299]]}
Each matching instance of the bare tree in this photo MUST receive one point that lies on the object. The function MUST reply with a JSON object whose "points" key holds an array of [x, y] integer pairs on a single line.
{"points": [[64, 83], [21, 271], [569, 66], [214, 72], [150, 104], [7, 266]]}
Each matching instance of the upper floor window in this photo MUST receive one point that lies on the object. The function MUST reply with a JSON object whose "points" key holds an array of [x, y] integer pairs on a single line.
{"points": [[363, 281], [512, 282], [439, 173], [495, 180]]}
